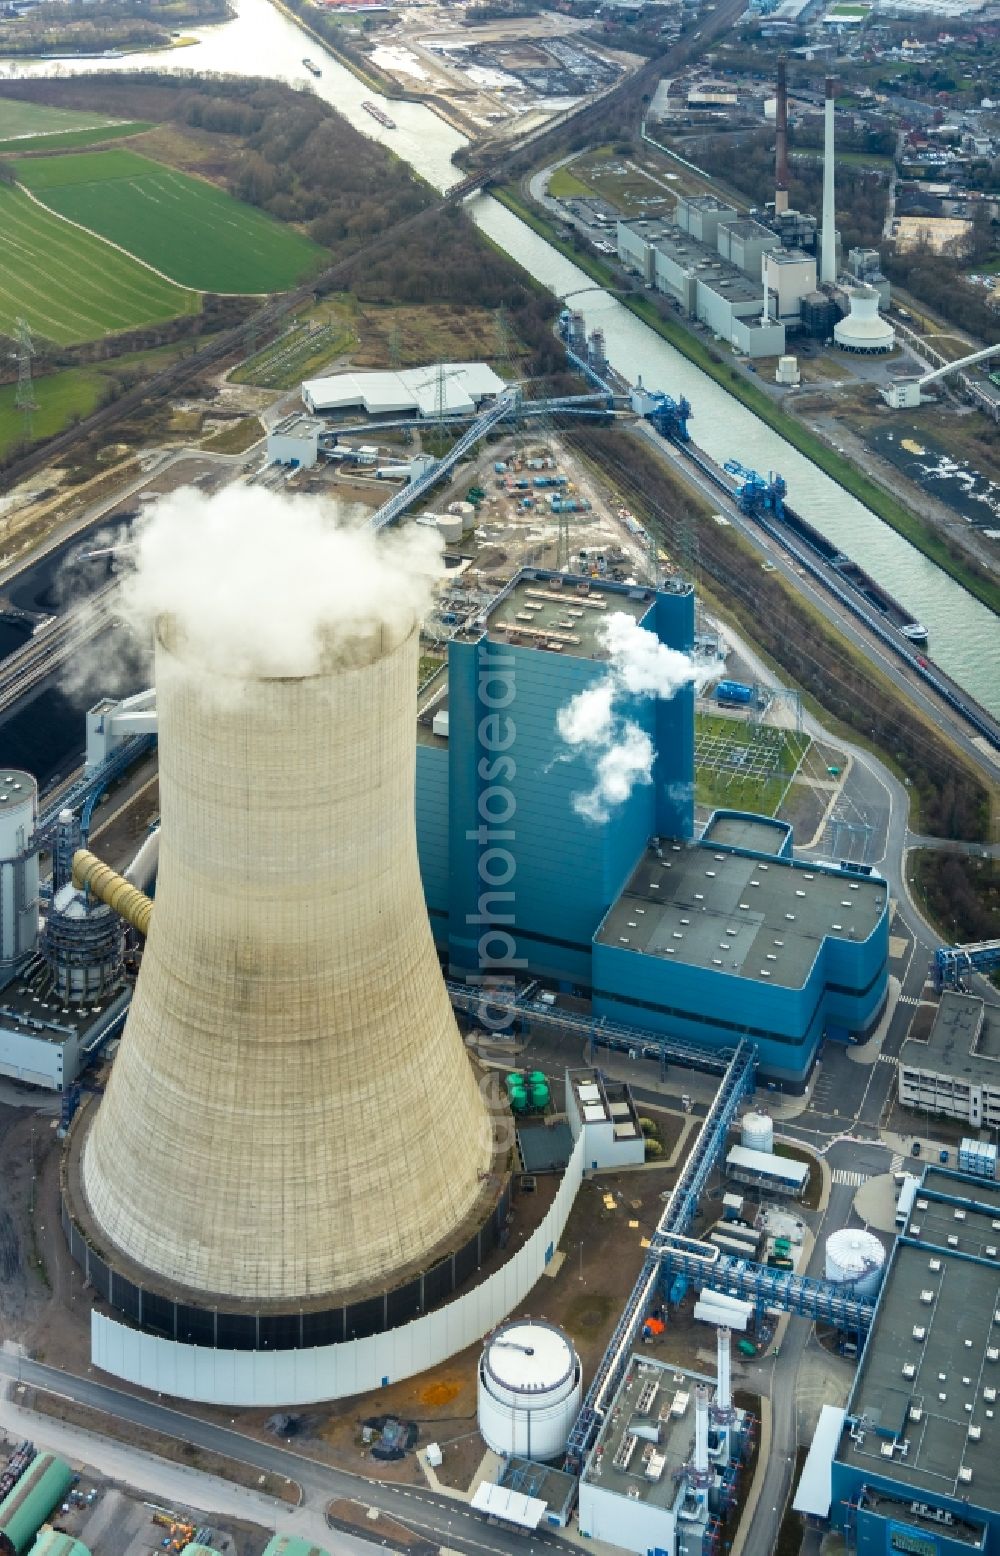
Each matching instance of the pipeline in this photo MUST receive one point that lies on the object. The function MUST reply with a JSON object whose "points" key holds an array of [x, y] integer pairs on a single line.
{"points": [[93, 875]]}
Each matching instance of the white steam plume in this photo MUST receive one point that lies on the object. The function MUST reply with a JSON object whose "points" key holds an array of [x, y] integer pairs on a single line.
{"points": [[263, 584], [622, 754]]}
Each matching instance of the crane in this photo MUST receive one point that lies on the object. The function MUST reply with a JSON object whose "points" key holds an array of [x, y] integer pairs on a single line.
{"points": [[757, 493]]}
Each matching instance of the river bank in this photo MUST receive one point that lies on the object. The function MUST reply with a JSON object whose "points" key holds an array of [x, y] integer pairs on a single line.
{"points": [[868, 491]]}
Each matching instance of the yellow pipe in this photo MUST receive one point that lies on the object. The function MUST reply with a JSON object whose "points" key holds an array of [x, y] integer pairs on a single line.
{"points": [[91, 874]]}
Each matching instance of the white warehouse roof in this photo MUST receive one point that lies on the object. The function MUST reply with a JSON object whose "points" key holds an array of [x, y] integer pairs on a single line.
{"points": [[767, 1165], [460, 386]]}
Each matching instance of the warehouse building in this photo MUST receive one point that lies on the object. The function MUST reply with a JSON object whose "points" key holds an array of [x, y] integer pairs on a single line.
{"points": [[713, 940], [955, 1068], [916, 1467], [448, 388]]}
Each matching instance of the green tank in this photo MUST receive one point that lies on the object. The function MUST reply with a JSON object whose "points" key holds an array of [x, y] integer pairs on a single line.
{"points": [[519, 1102], [538, 1078], [540, 1096]]}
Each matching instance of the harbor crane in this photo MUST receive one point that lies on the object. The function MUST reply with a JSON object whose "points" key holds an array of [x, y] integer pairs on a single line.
{"points": [[757, 493]]}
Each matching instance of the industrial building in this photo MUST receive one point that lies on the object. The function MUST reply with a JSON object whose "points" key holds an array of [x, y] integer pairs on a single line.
{"points": [[62, 977], [709, 940], [915, 1465], [448, 388], [954, 1067], [709, 261], [662, 1472]]}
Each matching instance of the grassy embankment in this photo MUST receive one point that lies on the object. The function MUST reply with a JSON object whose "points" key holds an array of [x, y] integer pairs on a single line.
{"points": [[841, 470]]}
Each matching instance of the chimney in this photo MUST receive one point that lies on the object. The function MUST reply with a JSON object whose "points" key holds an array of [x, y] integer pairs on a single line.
{"points": [[723, 1385], [828, 253], [701, 1435], [781, 141]]}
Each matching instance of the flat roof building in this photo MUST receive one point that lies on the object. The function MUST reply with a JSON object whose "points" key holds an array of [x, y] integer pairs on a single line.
{"points": [[953, 1067], [918, 1463]]}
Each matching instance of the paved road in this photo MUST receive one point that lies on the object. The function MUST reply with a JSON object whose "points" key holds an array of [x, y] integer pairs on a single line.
{"points": [[446, 1520]]}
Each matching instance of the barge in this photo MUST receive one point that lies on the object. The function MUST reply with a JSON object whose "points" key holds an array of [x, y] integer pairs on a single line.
{"points": [[379, 114]]}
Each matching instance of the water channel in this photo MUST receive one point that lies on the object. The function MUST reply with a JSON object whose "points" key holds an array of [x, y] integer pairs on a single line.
{"points": [[261, 40]]}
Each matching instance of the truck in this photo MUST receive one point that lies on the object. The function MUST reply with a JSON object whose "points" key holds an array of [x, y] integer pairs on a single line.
{"points": [[904, 1204]]}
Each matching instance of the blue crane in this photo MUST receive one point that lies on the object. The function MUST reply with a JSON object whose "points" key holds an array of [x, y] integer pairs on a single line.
{"points": [[757, 493], [669, 416], [952, 961]]}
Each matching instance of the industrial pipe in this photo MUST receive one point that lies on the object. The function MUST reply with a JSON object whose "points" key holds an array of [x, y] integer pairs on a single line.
{"points": [[91, 874]]}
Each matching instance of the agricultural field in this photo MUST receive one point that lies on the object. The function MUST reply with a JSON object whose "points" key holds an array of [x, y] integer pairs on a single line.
{"points": [[69, 285], [69, 140], [193, 232], [19, 118], [743, 766]]}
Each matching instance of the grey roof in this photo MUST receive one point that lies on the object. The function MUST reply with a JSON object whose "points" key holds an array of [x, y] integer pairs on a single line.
{"points": [[760, 834], [930, 1374], [562, 613], [671, 1410], [755, 918], [963, 1042]]}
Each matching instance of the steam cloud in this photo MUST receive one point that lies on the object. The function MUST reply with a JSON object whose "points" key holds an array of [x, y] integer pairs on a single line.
{"points": [[621, 753], [262, 584]]}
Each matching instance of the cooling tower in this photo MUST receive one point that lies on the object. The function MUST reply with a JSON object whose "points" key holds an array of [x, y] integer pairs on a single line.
{"points": [[292, 1113]]}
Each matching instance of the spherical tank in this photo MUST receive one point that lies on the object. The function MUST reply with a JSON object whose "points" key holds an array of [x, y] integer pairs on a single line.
{"points": [[758, 1132], [18, 868], [529, 1389], [292, 1112], [856, 1258]]}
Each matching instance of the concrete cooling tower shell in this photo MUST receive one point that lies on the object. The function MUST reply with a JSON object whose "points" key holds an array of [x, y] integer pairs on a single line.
{"points": [[292, 1113]]}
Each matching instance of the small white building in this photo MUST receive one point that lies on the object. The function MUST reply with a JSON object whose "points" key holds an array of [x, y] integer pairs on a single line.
{"points": [[605, 1112], [954, 1070], [295, 441]]}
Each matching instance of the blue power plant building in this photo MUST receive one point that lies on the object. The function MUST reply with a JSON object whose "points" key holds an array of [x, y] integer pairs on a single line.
{"points": [[574, 861]]}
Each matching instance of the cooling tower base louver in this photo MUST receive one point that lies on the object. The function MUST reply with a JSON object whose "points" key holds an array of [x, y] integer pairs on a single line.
{"points": [[293, 1147]]}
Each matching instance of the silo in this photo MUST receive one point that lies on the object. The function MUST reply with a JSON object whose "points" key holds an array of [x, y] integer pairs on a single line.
{"points": [[758, 1132], [450, 527], [466, 511], [292, 1115], [856, 1258], [529, 1389], [18, 870], [83, 946]]}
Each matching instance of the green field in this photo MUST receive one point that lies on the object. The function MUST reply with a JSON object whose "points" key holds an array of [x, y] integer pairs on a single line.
{"points": [[69, 285], [36, 119], [67, 140], [59, 397], [195, 233]]}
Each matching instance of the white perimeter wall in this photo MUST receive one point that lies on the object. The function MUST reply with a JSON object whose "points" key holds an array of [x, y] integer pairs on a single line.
{"points": [[333, 1371]]}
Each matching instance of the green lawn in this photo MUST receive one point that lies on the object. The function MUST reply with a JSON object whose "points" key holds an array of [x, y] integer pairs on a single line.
{"points": [[18, 118], [59, 397], [69, 285], [67, 140], [195, 233], [564, 184]]}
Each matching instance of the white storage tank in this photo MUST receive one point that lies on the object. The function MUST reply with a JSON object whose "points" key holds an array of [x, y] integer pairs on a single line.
{"points": [[449, 528], [466, 511], [855, 1258], [758, 1132], [18, 869], [529, 1389]]}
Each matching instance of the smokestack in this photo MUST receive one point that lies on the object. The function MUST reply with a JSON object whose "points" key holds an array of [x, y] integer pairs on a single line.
{"points": [[828, 256], [781, 141], [723, 1386], [701, 1434], [292, 1115]]}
